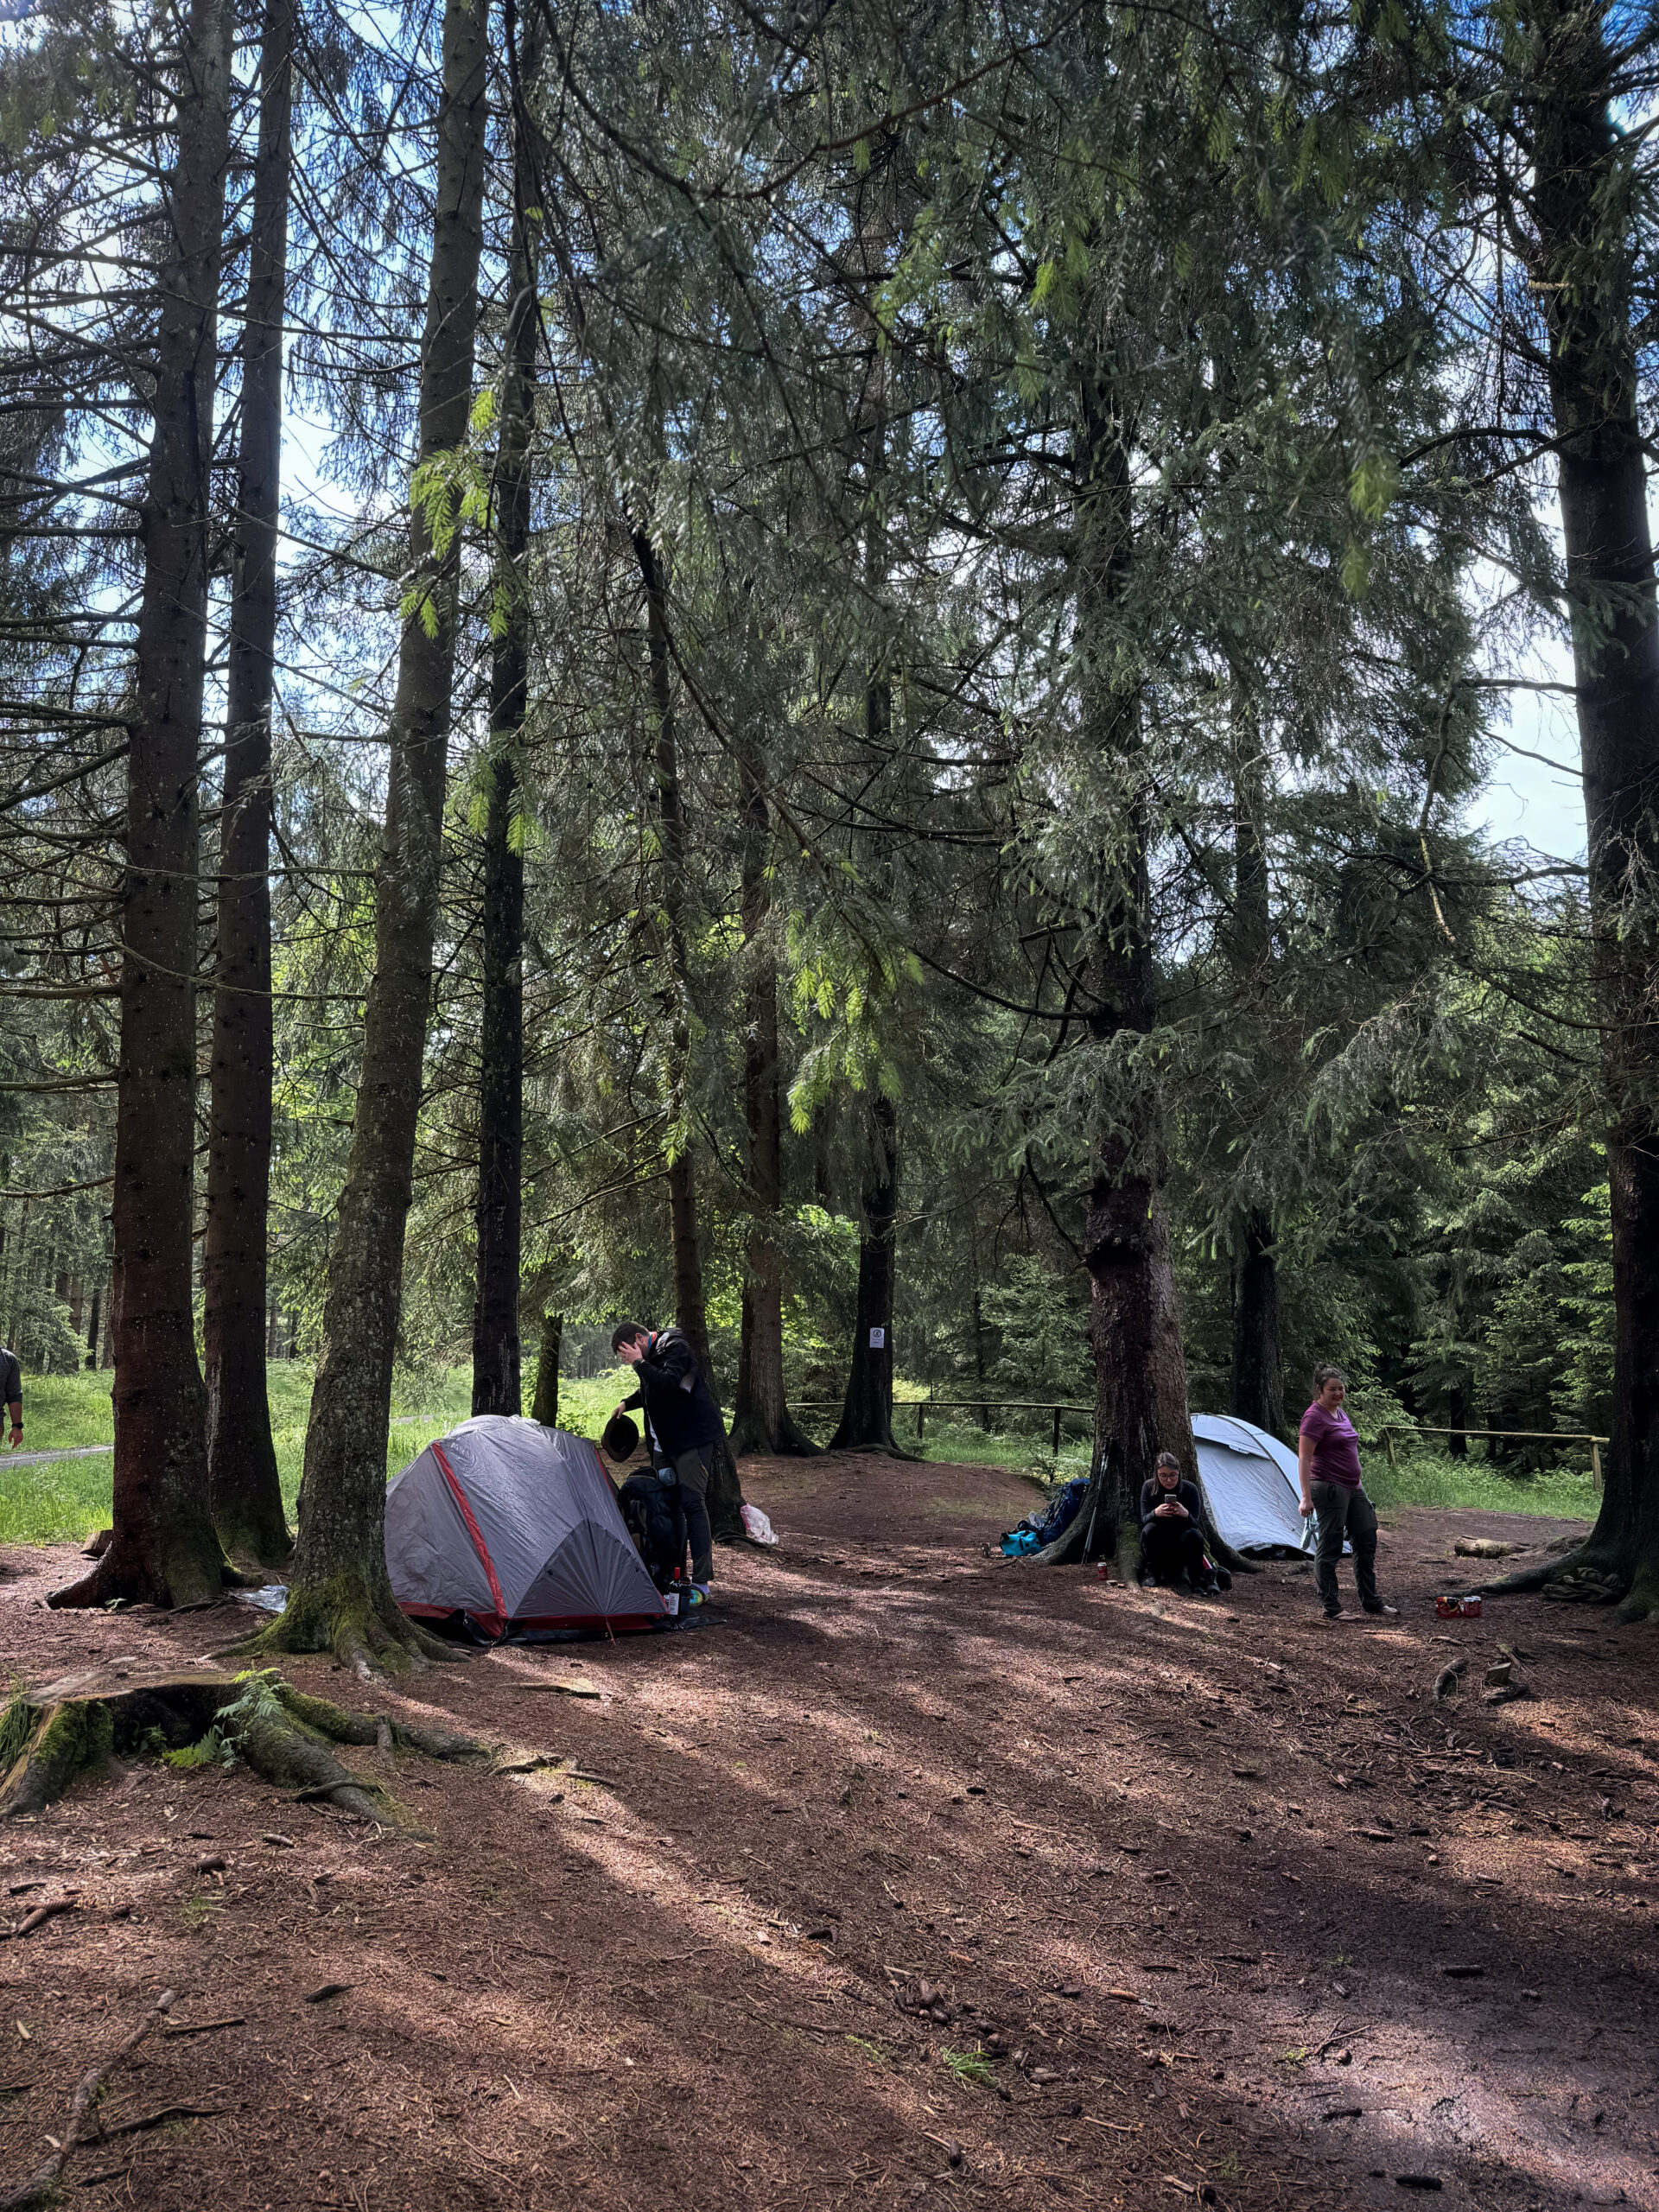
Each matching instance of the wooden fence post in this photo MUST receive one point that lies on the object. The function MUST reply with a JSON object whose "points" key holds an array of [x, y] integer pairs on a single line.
{"points": [[1595, 1461]]}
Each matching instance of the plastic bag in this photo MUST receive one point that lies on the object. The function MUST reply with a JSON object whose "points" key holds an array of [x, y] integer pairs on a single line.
{"points": [[757, 1528], [273, 1598]]}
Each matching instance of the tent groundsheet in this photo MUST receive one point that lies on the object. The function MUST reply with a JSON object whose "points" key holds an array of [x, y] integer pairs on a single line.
{"points": [[516, 1526], [1251, 1481]]}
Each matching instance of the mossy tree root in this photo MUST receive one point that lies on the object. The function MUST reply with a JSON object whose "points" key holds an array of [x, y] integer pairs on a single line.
{"points": [[1601, 1571], [59, 1741], [48, 1737], [342, 1616]]}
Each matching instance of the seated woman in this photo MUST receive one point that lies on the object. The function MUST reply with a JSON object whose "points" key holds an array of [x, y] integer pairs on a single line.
{"points": [[1172, 1541]]}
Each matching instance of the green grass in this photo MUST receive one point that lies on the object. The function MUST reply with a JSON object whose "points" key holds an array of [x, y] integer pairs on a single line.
{"points": [[970, 2069], [1432, 1479], [71, 1498]]}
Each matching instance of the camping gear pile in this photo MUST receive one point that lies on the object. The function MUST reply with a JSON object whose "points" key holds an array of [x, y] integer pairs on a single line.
{"points": [[1042, 1528], [654, 1515], [505, 1528]]}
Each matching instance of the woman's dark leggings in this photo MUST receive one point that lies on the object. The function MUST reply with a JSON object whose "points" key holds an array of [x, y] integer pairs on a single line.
{"points": [[1167, 1546]]}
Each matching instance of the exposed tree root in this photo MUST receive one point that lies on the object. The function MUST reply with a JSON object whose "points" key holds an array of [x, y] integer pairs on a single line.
{"points": [[341, 1616], [42, 2184], [125, 1573], [1091, 1535], [1595, 1572], [50, 1736]]}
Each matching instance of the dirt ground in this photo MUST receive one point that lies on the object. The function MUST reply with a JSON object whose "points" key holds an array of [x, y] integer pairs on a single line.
{"points": [[1224, 1900]]}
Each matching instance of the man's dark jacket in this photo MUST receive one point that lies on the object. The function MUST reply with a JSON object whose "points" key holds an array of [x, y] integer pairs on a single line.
{"points": [[675, 1394]]}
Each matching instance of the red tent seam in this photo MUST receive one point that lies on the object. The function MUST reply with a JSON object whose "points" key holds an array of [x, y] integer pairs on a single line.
{"points": [[472, 1530]]}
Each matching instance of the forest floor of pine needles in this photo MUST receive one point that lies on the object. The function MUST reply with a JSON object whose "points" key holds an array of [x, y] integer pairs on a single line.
{"points": [[1204, 1865]]}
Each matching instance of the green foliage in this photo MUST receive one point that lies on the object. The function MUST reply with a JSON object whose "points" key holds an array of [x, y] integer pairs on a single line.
{"points": [[216, 1748], [969, 2068]]}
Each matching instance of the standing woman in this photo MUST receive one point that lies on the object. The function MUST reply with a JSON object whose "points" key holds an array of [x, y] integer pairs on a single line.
{"points": [[1327, 1460]]}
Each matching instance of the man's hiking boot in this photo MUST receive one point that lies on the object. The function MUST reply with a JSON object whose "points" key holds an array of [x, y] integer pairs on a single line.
{"points": [[1380, 1608]]}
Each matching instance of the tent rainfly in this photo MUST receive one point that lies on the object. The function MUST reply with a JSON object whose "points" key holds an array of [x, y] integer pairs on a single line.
{"points": [[1251, 1484], [516, 1526]]}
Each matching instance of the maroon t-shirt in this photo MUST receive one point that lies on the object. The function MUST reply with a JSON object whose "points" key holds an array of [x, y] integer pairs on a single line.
{"points": [[1336, 1446]]}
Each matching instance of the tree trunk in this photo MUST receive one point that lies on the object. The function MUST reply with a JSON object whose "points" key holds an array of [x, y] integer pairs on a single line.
{"points": [[1258, 1392], [866, 1410], [245, 1493], [1139, 1369], [545, 1407], [341, 1597], [761, 1419], [1258, 1381], [690, 1309], [164, 1550], [1456, 1414], [94, 1320], [1583, 273], [496, 1381]]}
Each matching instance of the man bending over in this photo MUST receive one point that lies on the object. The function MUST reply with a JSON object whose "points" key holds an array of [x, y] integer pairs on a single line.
{"points": [[685, 1424]]}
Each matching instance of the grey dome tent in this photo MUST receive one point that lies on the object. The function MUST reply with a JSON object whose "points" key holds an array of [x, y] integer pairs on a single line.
{"points": [[517, 1527], [1250, 1485]]}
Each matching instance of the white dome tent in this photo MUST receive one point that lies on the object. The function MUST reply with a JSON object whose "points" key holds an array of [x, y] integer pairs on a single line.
{"points": [[1250, 1485]]}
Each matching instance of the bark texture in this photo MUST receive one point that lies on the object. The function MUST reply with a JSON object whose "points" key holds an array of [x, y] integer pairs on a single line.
{"points": [[341, 1597], [244, 1489], [760, 1418], [866, 1423], [545, 1408], [164, 1550], [1258, 1391], [500, 1212], [1258, 1378]]}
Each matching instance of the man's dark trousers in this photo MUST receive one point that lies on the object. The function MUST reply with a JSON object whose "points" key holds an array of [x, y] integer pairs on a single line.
{"points": [[1167, 1546], [696, 1469], [1345, 1510]]}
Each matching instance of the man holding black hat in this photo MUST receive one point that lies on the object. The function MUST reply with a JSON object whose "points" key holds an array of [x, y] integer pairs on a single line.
{"points": [[685, 1424]]}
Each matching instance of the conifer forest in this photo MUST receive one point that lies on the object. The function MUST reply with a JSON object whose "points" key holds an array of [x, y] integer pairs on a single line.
{"points": [[925, 734]]}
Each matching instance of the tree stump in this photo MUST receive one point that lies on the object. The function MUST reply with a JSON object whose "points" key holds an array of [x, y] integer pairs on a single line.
{"points": [[75, 1724]]}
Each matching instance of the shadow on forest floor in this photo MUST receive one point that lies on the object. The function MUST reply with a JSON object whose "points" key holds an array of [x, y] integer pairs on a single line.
{"points": [[1203, 1868]]}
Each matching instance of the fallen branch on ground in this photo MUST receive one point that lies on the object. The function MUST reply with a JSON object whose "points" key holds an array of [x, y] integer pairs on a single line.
{"points": [[44, 2181], [39, 1918]]}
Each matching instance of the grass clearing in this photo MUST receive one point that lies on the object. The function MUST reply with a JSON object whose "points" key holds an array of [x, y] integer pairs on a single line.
{"points": [[1434, 1479], [69, 1499]]}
